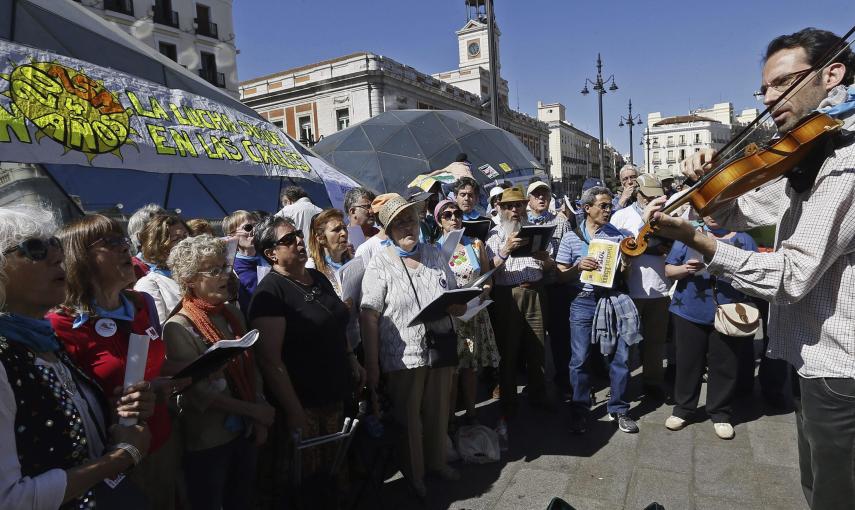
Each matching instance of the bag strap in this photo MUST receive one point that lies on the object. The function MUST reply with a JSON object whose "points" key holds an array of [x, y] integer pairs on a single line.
{"points": [[416, 294]]}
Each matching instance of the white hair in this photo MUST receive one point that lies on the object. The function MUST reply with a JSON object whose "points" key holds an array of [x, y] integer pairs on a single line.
{"points": [[19, 223], [138, 220], [188, 256]]}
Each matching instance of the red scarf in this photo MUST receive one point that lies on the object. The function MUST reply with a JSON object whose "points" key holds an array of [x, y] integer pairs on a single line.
{"points": [[240, 371]]}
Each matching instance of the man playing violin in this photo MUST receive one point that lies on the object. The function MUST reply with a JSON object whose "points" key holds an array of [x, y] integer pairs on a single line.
{"points": [[809, 280]]}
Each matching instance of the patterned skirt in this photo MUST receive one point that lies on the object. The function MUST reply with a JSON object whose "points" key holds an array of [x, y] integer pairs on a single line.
{"points": [[476, 342]]}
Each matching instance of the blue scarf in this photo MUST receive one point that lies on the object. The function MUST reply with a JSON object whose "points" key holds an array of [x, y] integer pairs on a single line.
{"points": [[37, 334], [471, 215], [402, 253], [845, 107], [335, 266], [718, 232], [159, 270], [124, 312], [539, 219]]}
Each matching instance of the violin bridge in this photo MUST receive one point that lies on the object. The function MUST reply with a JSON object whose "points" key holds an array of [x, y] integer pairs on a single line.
{"points": [[751, 149]]}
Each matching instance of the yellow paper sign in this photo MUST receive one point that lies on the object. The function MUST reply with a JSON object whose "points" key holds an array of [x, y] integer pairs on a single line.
{"points": [[506, 167], [607, 254]]}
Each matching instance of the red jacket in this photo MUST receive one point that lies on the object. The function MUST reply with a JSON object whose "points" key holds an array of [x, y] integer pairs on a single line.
{"points": [[103, 357]]}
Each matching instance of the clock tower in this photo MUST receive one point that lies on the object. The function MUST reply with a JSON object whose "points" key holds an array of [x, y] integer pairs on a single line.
{"points": [[472, 42]]}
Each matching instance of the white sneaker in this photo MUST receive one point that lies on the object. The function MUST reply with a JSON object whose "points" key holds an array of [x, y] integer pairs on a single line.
{"points": [[675, 423], [724, 430]]}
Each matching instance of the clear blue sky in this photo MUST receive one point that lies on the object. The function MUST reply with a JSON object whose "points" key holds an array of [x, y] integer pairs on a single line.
{"points": [[666, 55]]}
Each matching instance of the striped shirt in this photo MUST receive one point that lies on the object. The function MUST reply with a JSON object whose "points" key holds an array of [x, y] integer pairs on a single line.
{"points": [[515, 270], [809, 280], [572, 248]]}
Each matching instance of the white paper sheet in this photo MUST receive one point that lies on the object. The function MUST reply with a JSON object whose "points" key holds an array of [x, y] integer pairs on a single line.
{"points": [[135, 366], [473, 307], [450, 243]]}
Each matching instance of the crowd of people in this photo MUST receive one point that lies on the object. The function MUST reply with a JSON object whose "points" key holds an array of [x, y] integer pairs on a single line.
{"points": [[76, 296]]}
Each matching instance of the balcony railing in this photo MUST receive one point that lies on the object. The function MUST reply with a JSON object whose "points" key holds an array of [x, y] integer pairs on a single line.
{"points": [[122, 6], [213, 77], [168, 18], [208, 29]]}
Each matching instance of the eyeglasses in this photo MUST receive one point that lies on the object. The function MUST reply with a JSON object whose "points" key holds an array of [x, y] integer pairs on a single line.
{"points": [[290, 238], [780, 84], [363, 206], [247, 228], [217, 272], [605, 206], [113, 242], [36, 249], [513, 205], [457, 213]]}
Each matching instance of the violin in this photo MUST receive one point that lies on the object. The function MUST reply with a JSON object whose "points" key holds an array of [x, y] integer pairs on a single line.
{"points": [[743, 174], [737, 175]]}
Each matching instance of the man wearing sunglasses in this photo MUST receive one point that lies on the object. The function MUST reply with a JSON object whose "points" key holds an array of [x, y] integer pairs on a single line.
{"points": [[809, 278]]}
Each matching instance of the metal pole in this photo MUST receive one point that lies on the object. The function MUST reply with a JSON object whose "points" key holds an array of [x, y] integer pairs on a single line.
{"points": [[600, 92], [630, 133], [494, 79]]}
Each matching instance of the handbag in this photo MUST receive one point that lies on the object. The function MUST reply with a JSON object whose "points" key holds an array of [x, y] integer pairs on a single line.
{"points": [[735, 319], [442, 347]]}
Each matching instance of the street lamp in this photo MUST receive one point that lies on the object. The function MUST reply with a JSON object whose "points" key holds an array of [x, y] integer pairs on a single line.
{"points": [[630, 121], [646, 141], [599, 86]]}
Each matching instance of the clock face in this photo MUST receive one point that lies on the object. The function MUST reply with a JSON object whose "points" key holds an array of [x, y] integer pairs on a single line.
{"points": [[474, 49]]}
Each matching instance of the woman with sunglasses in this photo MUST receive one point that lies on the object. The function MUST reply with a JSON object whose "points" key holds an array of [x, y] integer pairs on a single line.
{"points": [[57, 439], [239, 225], [157, 238], [225, 418], [400, 279], [476, 346], [95, 324], [306, 362], [328, 247]]}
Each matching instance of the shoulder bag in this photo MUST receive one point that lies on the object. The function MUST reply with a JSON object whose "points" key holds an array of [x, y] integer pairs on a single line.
{"points": [[735, 319], [442, 347]]}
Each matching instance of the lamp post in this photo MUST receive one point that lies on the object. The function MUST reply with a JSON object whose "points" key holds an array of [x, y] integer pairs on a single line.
{"points": [[646, 141], [630, 121], [599, 86]]}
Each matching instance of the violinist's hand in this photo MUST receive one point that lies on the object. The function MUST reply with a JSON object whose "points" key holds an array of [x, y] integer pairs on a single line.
{"points": [[695, 166], [671, 227], [653, 206]]}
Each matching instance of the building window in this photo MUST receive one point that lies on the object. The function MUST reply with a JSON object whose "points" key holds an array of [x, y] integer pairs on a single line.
{"points": [[670, 141], [682, 139], [208, 71], [682, 154], [279, 124], [342, 118], [697, 138], [123, 6], [169, 50], [424, 106], [164, 15], [204, 26], [306, 135], [670, 157]]}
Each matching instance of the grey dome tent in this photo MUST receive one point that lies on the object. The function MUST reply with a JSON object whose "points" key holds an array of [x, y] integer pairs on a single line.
{"points": [[385, 153]]}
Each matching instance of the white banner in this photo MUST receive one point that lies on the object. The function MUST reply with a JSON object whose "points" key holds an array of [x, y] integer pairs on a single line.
{"points": [[55, 109]]}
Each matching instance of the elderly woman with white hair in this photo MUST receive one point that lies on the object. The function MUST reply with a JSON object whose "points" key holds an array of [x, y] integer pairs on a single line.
{"points": [[57, 445], [136, 223], [225, 418], [418, 359]]}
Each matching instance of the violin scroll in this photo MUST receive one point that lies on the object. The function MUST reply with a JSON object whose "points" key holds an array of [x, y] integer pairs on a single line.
{"points": [[632, 247]]}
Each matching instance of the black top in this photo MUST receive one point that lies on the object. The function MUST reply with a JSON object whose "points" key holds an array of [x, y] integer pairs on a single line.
{"points": [[314, 349]]}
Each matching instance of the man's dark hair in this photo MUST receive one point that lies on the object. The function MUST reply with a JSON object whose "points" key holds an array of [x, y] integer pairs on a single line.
{"points": [[818, 44], [354, 195], [462, 158], [466, 181], [293, 193]]}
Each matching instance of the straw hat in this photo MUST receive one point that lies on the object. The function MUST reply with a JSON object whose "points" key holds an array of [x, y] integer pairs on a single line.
{"points": [[394, 206], [514, 194]]}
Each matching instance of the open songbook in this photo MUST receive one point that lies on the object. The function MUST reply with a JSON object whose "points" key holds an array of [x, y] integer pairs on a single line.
{"points": [[216, 357], [538, 237]]}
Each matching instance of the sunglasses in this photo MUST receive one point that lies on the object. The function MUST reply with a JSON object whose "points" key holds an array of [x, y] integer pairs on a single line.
{"points": [[457, 213], [290, 238], [246, 228], [36, 249], [217, 272], [113, 242]]}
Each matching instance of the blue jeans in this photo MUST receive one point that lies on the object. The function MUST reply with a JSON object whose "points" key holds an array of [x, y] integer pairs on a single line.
{"points": [[581, 323]]}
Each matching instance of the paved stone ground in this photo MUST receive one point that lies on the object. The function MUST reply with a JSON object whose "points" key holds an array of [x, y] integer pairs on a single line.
{"points": [[606, 469]]}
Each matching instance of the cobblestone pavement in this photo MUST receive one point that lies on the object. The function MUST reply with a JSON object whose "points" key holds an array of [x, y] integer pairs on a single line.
{"points": [[691, 469]]}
